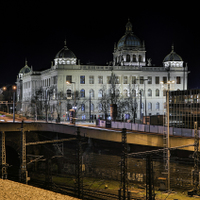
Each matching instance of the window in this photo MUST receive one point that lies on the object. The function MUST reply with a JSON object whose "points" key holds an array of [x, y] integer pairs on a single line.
{"points": [[134, 58], [164, 79], [108, 79], [133, 79], [149, 80], [69, 93], [117, 80], [82, 93], [149, 106], [91, 93], [149, 92], [178, 80], [91, 79], [141, 80], [100, 107], [100, 93], [92, 107], [69, 78], [125, 93], [134, 92], [82, 107], [140, 58], [164, 92], [157, 106], [157, 80], [127, 58], [157, 93], [100, 79], [125, 80], [82, 79]]}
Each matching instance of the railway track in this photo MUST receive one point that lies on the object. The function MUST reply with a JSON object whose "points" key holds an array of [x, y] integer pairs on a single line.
{"points": [[69, 190]]}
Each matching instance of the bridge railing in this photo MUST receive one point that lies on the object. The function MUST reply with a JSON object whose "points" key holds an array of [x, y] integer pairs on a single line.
{"points": [[150, 128]]}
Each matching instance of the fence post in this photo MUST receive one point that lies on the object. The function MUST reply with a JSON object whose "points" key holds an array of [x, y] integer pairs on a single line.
{"points": [[79, 177], [124, 181]]}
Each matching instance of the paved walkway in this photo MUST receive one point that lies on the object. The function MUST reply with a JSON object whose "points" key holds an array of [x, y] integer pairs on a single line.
{"points": [[10, 190]]}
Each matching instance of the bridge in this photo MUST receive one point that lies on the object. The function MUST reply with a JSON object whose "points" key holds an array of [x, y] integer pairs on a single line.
{"points": [[21, 135], [133, 137]]}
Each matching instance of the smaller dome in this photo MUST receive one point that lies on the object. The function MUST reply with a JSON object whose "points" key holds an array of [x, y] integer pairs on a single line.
{"points": [[172, 56], [26, 69], [65, 53]]}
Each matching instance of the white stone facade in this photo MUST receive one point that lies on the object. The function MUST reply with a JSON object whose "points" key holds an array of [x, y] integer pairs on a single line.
{"points": [[130, 67]]}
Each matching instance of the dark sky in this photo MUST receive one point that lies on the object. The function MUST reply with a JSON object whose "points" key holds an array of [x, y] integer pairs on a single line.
{"points": [[37, 31]]}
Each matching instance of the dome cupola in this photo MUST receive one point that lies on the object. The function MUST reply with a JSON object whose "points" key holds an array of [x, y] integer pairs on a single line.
{"points": [[129, 40], [129, 50], [25, 70], [173, 59], [65, 56]]}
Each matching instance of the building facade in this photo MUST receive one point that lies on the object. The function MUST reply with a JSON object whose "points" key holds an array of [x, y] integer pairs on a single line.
{"points": [[184, 108], [135, 76]]}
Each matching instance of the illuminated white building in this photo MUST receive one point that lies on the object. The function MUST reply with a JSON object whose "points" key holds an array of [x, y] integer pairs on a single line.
{"points": [[129, 64]]}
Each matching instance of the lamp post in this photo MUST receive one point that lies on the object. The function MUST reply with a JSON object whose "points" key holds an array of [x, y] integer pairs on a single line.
{"points": [[168, 141], [14, 87], [70, 82]]}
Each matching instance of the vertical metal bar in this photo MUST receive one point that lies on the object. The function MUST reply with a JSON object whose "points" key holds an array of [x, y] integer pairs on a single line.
{"points": [[196, 148], [124, 180], [3, 156], [79, 166], [23, 175], [168, 144]]}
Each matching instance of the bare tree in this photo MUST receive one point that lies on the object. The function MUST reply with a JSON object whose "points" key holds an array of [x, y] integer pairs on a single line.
{"points": [[132, 101], [104, 101]]}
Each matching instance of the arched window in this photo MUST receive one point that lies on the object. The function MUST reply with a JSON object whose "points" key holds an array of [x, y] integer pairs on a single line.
{"points": [[91, 93], [157, 106], [100, 93], [82, 107], [134, 58], [149, 92], [157, 93], [149, 106], [127, 58], [82, 93], [125, 93], [140, 58]]}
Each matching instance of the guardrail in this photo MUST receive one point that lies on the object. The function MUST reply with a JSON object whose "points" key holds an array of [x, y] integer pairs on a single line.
{"points": [[151, 128]]}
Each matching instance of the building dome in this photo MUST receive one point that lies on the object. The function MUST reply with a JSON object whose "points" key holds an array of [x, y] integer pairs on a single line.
{"points": [[172, 56], [65, 56], [65, 53], [26, 69], [129, 39]]}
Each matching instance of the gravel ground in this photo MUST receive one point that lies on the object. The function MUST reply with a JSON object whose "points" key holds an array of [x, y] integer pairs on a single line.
{"points": [[17, 191]]}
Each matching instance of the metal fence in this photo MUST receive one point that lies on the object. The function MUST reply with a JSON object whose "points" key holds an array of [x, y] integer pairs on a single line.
{"points": [[150, 128]]}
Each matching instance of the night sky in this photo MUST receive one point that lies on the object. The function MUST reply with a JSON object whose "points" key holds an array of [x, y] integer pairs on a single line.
{"points": [[36, 32]]}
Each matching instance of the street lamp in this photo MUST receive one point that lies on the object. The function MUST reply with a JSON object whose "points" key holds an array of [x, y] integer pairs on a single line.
{"points": [[70, 82], [14, 87], [168, 142]]}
